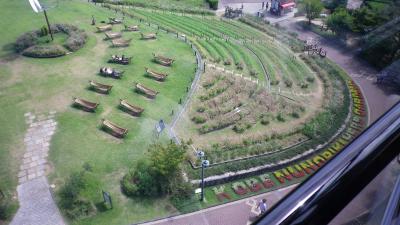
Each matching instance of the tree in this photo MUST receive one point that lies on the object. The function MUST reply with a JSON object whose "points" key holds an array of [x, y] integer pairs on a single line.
{"points": [[166, 159], [159, 174], [340, 21], [312, 9]]}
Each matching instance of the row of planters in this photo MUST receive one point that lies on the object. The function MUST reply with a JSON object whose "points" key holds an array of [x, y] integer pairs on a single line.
{"points": [[37, 44]]}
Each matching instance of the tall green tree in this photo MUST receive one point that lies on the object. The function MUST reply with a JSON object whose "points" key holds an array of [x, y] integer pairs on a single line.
{"points": [[159, 174], [340, 21], [312, 9]]}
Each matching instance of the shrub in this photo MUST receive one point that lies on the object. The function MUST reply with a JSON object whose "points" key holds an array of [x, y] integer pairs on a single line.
{"points": [[81, 208], [264, 121], [44, 31], [280, 118], [141, 182], [239, 66], [288, 83], [253, 73], [157, 176], [50, 51], [5, 209], [28, 43], [275, 82], [240, 128], [213, 4], [295, 115], [26, 40], [71, 200], [310, 79], [75, 41], [304, 85], [201, 109], [128, 185], [199, 119]]}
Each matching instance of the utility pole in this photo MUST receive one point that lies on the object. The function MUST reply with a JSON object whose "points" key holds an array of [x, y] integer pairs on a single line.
{"points": [[48, 25]]}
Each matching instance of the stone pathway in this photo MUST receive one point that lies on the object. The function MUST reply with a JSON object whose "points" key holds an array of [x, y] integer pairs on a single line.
{"points": [[37, 206]]}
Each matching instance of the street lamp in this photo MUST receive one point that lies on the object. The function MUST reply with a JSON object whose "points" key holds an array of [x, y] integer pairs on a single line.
{"points": [[204, 163]]}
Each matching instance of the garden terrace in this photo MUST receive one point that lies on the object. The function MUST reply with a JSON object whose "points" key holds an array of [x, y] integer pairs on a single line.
{"points": [[229, 108], [281, 146]]}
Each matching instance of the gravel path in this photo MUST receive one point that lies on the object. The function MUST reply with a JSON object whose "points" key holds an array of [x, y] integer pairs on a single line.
{"points": [[37, 206], [177, 116]]}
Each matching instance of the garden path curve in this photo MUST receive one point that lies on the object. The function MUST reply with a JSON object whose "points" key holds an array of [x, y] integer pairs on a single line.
{"points": [[37, 206]]}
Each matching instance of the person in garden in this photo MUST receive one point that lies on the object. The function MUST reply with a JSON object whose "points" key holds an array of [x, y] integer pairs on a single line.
{"points": [[262, 205]]}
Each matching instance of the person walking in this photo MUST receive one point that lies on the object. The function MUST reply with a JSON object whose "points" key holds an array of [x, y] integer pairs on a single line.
{"points": [[262, 205]]}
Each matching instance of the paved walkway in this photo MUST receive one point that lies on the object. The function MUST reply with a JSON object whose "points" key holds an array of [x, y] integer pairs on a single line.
{"points": [[240, 212], [37, 206]]}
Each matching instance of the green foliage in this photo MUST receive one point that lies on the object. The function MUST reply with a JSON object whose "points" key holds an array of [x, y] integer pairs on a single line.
{"points": [[310, 79], [333, 4], [167, 159], [312, 9], [340, 21], [201, 109], [142, 181], [213, 4], [29, 43], [239, 128], [6, 209], [295, 115], [304, 85], [367, 18], [322, 122], [227, 62], [26, 40], [159, 175], [253, 73], [44, 31], [288, 83], [45, 51], [199, 119], [74, 204], [280, 117]]}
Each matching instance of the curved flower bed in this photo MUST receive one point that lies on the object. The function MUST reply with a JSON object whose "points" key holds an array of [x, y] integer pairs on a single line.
{"points": [[31, 44]]}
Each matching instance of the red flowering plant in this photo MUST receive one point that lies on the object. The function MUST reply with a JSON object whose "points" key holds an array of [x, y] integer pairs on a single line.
{"points": [[239, 188], [267, 182], [253, 184], [220, 193]]}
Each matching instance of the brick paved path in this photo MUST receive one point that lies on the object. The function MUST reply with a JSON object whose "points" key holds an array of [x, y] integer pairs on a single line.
{"points": [[240, 212], [37, 206]]}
